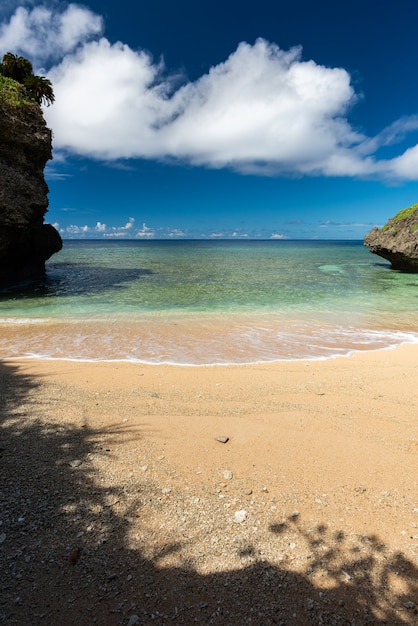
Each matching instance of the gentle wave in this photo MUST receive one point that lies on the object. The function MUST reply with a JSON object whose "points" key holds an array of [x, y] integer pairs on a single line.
{"points": [[201, 343], [23, 320]]}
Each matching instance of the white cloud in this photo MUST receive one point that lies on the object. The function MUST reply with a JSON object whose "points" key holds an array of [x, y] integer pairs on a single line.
{"points": [[129, 224], [129, 231], [99, 230], [74, 230], [43, 33], [176, 232], [406, 165], [263, 111], [263, 106], [145, 232], [116, 231]]}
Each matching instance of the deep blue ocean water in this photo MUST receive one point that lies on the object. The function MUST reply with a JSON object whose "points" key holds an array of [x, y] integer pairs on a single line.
{"points": [[205, 302]]}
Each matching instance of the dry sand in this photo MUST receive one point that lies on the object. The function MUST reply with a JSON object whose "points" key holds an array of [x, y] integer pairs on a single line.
{"points": [[119, 505]]}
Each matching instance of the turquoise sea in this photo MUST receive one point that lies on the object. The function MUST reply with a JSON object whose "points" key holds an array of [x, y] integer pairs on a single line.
{"points": [[207, 302]]}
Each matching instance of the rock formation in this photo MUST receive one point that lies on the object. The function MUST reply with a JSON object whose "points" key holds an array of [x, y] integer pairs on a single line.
{"points": [[25, 147], [397, 241]]}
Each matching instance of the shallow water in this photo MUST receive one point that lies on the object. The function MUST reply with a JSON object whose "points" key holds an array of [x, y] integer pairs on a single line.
{"points": [[206, 302]]}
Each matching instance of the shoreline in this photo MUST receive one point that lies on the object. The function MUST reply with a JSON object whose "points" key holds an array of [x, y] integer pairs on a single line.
{"points": [[320, 462], [201, 341], [137, 361]]}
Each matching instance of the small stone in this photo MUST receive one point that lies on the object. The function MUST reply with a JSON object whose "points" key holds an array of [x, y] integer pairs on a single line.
{"points": [[228, 475], [295, 514], [361, 488], [409, 605], [248, 492], [134, 619], [3, 537], [222, 439], [74, 556], [166, 490], [76, 463], [144, 468], [240, 516]]}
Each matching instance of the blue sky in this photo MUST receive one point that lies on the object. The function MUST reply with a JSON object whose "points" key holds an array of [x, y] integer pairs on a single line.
{"points": [[225, 118]]}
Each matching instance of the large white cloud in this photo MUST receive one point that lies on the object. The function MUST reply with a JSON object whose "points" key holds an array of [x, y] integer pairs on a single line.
{"points": [[264, 110], [262, 105]]}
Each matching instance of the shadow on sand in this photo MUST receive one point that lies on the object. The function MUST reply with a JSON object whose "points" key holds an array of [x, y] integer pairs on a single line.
{"points": [[52, 572]]}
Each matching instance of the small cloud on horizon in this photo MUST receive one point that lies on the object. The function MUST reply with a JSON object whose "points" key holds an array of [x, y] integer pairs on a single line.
{"points": [[130, 231], [145, 232]]}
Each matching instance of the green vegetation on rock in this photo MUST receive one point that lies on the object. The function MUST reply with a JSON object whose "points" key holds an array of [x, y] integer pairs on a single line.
{"points": [[405, 213], [400, 217], [19, 85], [12, 92]]}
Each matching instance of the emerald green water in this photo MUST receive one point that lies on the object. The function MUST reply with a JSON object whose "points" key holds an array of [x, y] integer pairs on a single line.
{"points": [[203, 302]]}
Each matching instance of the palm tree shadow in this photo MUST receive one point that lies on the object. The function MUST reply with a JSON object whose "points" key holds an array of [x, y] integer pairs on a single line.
{"points": [[66, 554]]}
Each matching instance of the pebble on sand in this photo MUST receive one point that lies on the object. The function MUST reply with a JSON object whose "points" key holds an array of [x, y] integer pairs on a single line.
{"points": [[240, 516]]}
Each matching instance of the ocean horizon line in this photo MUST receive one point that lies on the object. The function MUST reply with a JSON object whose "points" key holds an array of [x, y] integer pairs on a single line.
{"points": [[115, 239]]}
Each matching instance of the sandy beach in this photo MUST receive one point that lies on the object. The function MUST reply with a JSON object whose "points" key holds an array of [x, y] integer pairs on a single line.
{"points": [[265, 494]]}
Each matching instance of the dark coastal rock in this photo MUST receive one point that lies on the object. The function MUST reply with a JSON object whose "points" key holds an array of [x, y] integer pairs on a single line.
{"points": [[26, 242], [397, 241]]}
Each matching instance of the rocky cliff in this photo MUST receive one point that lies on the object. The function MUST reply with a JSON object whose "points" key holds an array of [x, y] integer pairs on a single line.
{"points": [[26, 242], [397, 241]]}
